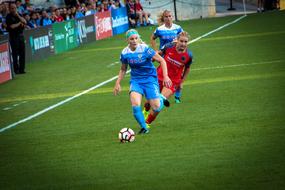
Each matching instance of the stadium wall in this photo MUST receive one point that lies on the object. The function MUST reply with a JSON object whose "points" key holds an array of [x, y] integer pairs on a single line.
{"points": [[60, 37], [186, 9], [5, 61]]}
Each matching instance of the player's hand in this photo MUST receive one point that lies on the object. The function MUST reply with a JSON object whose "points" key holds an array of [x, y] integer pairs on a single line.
{"points": [[167, 82], [117, 89]]}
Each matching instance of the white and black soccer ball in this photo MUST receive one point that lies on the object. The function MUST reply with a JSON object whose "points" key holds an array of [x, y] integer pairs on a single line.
{"points": [[126, 135]]}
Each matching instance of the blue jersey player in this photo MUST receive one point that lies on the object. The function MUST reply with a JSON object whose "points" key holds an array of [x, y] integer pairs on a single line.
{"points": [[166, 32], [144, 81]]}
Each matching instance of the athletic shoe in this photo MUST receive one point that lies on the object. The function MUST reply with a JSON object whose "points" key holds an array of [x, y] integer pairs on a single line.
{"points": [[143, 131], [177, 100]]}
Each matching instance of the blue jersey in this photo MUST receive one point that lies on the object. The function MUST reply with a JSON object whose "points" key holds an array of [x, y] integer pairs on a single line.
{"points": [[142, 68], [167, 35]]}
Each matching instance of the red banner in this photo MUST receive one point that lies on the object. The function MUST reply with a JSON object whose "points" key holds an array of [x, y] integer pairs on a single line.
{"points": [[5, 69], [103, 25]]}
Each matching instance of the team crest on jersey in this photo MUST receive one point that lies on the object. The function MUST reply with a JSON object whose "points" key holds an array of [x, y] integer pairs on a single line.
{"points": [[140, 56], [183, 58]]}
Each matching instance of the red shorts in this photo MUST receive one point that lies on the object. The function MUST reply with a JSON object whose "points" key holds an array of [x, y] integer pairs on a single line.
{"points": [[173, 88]]}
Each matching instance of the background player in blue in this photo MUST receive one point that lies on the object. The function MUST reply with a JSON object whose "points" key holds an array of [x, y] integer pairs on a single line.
{"points": [[166, 32], [144, 79]]}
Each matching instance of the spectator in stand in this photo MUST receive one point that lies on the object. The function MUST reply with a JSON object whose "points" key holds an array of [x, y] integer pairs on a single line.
{"points": [[45, 20], [118, 4], [89, 9], [15, 26], [28, 6], [58, 17], [73, 12], [141, 14], [112, 5], [34, 20], [29, 24], [78, 13], [100, 7], [3, 14], [39, 16], [52, 17], [66, 14], [83, 8], [131, 13], [69, 12], [105, 5], [20, 8]]}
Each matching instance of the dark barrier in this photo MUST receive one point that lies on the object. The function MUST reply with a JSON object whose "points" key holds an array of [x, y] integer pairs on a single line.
{"points": [[39, 43], [120, 23], [45, 41], [103, 25], [5, 63], [85, 29], [64, 36]]}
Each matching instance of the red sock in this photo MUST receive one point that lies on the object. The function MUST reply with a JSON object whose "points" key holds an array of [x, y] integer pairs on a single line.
{"points": [[147, 106], [150, 118]]}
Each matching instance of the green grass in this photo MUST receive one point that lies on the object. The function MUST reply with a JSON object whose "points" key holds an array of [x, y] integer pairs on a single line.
{"points": [[227, 134]]}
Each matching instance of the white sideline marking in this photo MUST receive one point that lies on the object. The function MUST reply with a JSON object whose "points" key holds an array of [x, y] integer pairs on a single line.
{"points": [[103, 83], [14, 105], [112, 64], [217, 29]]}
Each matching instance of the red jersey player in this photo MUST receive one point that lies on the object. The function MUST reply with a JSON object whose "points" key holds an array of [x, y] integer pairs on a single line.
{"points": [[178, 58]]}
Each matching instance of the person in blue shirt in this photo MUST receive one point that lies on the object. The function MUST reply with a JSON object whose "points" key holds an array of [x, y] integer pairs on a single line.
{"points": [[167, 32], [45, 20], [144, 81]]}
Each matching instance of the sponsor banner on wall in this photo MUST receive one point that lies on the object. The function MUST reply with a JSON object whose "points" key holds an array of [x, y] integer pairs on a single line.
{"points": [[103, 25], [64, 36], [5, 67], [85, 29], [120, 23], [39, 43]]}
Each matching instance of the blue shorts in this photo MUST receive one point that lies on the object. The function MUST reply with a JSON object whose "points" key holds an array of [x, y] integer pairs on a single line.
{"points": [[150, 90]]}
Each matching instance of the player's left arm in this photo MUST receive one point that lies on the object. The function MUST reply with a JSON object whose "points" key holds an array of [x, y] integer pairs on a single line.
{"points": [[185, 74], [186, 69]]}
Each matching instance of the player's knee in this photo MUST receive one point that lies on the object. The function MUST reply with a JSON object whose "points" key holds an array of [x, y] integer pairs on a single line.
{"points": [[158, 107]]}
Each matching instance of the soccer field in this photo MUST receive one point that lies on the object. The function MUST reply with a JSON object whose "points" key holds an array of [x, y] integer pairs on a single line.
{"points": [[228, 132]]}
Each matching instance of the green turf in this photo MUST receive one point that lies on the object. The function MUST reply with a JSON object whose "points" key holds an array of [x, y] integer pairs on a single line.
{"points": [[228, 133]]}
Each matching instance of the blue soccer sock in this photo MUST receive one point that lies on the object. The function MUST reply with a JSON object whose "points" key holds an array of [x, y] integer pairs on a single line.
{"points": [[137, 112], [178, 93]]}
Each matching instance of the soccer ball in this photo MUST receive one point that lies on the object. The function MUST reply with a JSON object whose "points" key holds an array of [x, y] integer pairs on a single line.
{"points": [[126, 135]]}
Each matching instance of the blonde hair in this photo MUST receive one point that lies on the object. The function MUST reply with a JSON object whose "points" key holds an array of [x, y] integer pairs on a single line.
{"points": [[132, 32], [183, 34], [160, 17]]}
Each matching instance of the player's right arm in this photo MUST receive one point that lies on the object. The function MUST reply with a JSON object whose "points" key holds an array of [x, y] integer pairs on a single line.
{"points": [[166, 80], [122, 73]]}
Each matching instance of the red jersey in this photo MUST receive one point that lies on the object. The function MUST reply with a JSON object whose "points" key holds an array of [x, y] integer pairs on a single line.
{"points": [[176, 62]]}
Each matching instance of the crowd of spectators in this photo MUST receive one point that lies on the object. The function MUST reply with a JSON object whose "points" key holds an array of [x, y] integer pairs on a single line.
{"points": [[37, 17]]}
